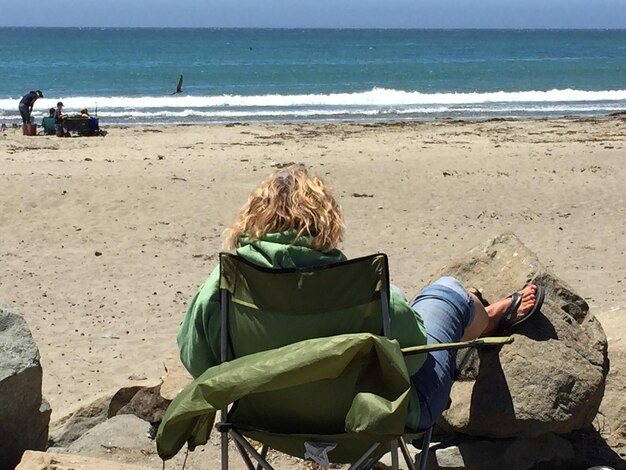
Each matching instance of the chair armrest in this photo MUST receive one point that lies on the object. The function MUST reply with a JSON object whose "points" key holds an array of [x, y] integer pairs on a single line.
{"points": [[475, 343]]}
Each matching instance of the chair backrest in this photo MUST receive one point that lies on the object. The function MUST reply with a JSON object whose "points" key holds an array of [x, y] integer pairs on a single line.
{"points": [[48, 124], [264, 308], [269, 308]]}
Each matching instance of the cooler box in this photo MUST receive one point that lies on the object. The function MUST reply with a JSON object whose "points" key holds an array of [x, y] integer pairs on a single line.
{"points": [[29, 129]]}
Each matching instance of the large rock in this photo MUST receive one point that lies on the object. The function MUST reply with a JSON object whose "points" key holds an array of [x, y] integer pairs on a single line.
{"points": [[143, 401], [458, 452], [512, 454], [120, 433], [147, 401], [552, 378], [24, 415], [70, 427], [611, 419]]}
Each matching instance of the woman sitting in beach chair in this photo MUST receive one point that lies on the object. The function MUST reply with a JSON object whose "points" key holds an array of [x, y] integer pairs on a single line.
{"points": [[292, 220]]}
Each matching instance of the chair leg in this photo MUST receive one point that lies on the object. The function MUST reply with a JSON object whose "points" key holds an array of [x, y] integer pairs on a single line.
{"points": [[224, 450], [244, 456], [224, 439], [393, 447], [251, 450], [264, 450], [406, 455], [357, 465], [425, 445]]}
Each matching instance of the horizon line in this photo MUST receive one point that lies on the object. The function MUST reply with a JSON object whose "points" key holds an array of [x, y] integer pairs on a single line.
{"points": [[390, 28]]}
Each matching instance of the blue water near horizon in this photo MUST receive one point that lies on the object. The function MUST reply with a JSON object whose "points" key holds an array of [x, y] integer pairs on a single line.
{"points": [[261, 75]]}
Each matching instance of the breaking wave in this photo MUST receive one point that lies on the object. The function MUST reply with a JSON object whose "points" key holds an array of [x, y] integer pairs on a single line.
{"points": [[378, 102]]}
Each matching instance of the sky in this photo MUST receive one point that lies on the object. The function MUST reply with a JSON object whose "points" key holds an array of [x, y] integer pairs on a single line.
{"points": [[317, 13]]}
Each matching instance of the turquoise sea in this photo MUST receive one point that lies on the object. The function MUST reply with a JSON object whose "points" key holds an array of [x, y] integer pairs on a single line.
{"points": [[235, 75]]}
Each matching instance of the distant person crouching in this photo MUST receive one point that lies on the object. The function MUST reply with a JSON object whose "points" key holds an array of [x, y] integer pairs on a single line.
{"points": [[58, 121]]}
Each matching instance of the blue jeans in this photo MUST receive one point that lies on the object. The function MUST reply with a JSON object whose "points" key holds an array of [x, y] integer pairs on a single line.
{"points": [[446, 310], [25, 113]]}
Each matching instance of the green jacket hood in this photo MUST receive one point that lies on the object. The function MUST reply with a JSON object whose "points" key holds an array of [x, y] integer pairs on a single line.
{"points": [[281, 250]]}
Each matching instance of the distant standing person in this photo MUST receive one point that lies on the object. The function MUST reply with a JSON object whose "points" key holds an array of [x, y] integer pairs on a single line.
{"points": [[26, 104], [58, 120]]}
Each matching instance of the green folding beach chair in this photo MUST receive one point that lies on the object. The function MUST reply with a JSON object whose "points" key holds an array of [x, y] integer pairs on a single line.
{"points": [[48, 125], [308, 367]]}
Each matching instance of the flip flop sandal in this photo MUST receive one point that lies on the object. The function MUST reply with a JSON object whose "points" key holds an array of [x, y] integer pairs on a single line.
{"points": [[509, 316], [508, 321]]}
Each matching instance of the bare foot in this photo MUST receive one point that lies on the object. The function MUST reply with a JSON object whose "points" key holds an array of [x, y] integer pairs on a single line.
{"points": [[496, 310]]}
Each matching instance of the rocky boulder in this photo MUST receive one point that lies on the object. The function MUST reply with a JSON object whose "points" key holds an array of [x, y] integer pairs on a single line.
{"points": [[24, 415], [70, 427], [121, 433], [513, 454], [143, 401], [611, 419], [552, 378]]}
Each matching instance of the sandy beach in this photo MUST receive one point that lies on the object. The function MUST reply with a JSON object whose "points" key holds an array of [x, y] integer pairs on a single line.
{"points": [[104, 240]]}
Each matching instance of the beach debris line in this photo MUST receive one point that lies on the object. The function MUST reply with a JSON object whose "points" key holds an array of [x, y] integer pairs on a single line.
{"points": [[282, 165]]}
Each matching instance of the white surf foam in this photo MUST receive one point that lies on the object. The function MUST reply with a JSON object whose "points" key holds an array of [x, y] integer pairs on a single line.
{"points": [[375, 97]]}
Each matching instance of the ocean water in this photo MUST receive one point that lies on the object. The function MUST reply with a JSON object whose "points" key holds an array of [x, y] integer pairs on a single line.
{"points": [[260, 75]]}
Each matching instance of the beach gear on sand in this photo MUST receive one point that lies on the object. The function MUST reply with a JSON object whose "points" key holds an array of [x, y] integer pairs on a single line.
{"points": [[509, 319], [29, 129]]}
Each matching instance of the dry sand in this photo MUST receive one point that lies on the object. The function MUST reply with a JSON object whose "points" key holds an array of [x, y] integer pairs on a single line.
{"points": [[104, 240]]}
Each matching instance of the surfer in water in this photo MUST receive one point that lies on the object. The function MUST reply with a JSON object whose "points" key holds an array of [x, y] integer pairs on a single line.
{"points": [[179, 86]]}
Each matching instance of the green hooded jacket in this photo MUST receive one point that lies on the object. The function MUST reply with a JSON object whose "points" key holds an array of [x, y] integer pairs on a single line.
{"points": [[199, 335]]}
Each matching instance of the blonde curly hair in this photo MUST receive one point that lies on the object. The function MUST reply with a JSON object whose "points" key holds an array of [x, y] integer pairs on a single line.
{"points": [[290, 199]]}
